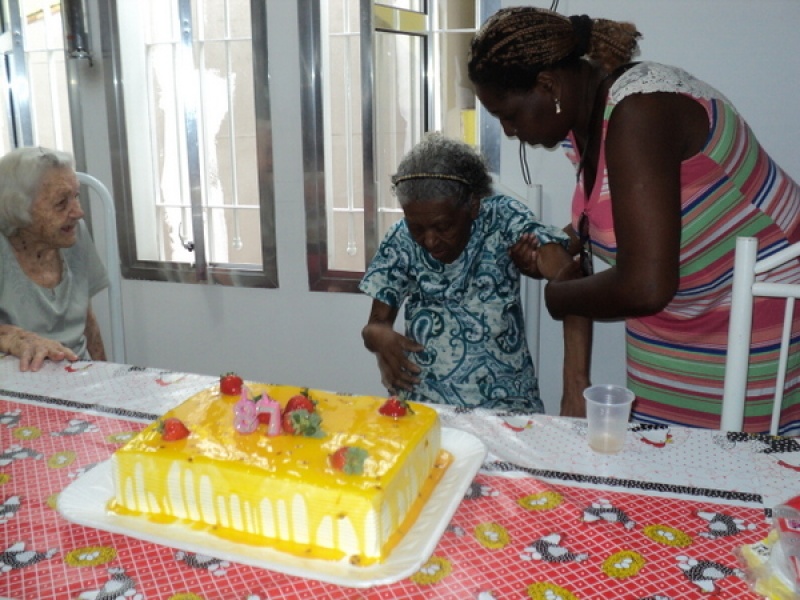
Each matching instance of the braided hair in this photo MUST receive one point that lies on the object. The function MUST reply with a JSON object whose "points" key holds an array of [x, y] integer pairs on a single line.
{"points": [[515, 44]]}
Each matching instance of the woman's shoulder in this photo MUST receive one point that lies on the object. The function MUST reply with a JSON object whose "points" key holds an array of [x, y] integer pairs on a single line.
{"points": [[396, 245], [500, 211], [650, 77], [503, 204], [397, 233]]}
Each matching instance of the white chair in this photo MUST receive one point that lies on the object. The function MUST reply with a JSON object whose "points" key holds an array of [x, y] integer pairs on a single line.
{"points": [[110, 253], [745, 288], [530, 289]]}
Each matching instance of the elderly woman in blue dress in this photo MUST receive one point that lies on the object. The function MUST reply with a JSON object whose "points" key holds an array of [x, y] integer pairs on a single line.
{"points": [[450, 261], [49, 267]]}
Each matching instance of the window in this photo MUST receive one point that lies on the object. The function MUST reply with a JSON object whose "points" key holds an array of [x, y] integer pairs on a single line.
{"points": [[371, 96], [35, 99], [192, 145]]}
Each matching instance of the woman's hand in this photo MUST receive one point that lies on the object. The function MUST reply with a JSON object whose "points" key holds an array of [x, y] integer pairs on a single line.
{"points": [[555, 263], [524, 254], [550, 261], [391, 349], [31, 349]]}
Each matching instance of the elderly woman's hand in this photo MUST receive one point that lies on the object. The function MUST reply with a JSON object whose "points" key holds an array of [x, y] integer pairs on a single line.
{"points": [[31, 349], [391, 349]]}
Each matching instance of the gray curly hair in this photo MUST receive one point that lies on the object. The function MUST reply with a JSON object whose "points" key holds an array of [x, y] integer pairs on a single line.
{"points": [[21, 174], [440, 167]]}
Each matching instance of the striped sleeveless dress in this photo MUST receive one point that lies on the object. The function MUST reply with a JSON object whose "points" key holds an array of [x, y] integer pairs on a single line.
{"points": [[676, 358]]}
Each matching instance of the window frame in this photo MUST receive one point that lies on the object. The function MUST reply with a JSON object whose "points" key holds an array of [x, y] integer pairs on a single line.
{"points": [[320, 276], [201, 271]]}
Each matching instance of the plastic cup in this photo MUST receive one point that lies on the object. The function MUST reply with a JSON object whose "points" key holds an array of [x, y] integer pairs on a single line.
{"points": [[608, 408]]}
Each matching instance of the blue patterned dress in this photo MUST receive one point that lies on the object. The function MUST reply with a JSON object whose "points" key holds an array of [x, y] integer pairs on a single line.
{"points": [[467, 314]]}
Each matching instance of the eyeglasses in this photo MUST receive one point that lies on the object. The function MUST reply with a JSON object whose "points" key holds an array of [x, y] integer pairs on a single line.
{"points": [[586, 256]]}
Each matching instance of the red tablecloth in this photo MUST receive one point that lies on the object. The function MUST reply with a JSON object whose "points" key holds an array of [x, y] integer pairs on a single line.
{"points": [[520, 532]]}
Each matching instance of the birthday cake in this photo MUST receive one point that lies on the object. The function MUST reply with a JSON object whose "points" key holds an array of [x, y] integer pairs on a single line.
{"points": [[308, 472]]}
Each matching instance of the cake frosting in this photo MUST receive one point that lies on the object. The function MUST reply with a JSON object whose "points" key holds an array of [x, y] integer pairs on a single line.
{"points": [[281, 490]]}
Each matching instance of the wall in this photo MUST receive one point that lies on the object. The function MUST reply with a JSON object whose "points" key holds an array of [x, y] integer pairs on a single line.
{"points": [[290, 335]]}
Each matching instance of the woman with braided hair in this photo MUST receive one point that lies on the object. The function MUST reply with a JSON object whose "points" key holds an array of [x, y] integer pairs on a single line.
{"points": [[669, 174], [448, 260]]}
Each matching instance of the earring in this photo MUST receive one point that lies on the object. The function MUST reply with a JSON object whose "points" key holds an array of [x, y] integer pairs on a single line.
{"points": [[558, 106]]}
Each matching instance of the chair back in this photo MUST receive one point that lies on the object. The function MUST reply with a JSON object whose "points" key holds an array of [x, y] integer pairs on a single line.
{"points": [[110, 254], [530, 289], [745, 289]]}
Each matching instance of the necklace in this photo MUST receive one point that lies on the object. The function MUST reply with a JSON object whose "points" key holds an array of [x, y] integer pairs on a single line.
{"points": [[584, 237], [596, 103], [590, 130]]}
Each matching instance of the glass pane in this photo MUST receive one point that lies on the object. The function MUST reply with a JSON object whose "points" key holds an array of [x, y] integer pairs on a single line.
{"points": [[456, 96], [343, 150], [348, 228], [228, 148], [455, 14], [399, 77], [5, 124], [226, 130], [211, 19], [416, 5], [49, 107], [47, 75], [340, 16], [399, 111], [163, 180]]}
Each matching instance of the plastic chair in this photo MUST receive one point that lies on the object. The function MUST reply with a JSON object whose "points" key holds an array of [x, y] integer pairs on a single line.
{"points": [[745, 288], [111, 255]]}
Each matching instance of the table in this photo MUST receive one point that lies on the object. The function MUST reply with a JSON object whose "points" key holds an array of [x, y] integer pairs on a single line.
{"points": [[544, 518]]}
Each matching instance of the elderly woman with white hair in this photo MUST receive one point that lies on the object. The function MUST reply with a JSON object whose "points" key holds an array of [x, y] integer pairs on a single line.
{"points": [[49, 267], [452, 261]]}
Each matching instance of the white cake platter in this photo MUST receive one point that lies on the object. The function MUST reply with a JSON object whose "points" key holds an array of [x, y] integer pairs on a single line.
{"points": [[85, 502]]}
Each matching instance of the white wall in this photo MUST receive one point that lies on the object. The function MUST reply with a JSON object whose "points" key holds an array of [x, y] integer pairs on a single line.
{"points": [[290, 335]]}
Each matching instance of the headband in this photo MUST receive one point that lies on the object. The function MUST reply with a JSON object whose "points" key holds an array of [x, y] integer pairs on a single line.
{"points": [[444, 176]]}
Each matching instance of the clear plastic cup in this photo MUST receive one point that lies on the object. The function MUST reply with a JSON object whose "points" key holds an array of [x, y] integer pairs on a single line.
{"points": [[608, 408]]}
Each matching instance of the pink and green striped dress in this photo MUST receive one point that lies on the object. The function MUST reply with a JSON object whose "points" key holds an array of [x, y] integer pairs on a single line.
{"points": [[676, 358]]}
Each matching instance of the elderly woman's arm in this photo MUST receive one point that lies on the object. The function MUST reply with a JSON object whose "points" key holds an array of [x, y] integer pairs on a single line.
{"points": [[94, 341], [390, 348], [548, 261], [32, 349]]}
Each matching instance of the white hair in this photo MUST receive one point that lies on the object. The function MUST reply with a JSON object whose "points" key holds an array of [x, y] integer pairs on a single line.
{"points": [[21, 174]]}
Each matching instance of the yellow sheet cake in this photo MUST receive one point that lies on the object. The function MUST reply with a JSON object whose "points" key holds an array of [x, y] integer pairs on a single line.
{"points": [[282, 490]]}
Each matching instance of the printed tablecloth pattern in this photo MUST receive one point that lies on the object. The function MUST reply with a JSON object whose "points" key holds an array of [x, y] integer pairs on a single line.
{"points": [[531, 525]]}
